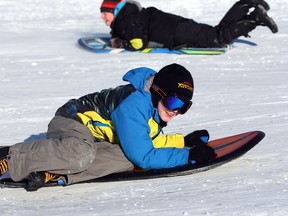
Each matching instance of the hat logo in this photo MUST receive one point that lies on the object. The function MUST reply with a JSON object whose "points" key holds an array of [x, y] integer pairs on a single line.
{"points": [[185, 85]]}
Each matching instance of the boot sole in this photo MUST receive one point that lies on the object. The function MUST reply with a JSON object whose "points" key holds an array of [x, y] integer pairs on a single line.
{"points": [[270, 23]]}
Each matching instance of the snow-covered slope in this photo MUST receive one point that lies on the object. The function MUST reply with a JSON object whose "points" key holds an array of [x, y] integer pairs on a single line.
{"points": [[41, 67]]}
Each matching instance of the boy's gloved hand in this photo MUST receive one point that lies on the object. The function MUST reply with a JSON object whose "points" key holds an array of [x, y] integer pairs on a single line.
{"points": [[201, 154], [196, 138], [128, 45], [117, 43]]}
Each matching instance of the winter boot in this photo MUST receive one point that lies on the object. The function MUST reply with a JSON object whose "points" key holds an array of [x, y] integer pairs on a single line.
{"points": [[227, 34], [238, 12], [3, 160], [260, 16], [254, 3], [37, 180]]}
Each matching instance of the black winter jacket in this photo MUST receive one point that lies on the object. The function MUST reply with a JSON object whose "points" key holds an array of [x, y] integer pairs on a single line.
{"points": [[165, 29]]}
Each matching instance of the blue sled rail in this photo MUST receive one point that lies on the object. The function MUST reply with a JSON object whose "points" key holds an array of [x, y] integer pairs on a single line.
{"points": [[101, 45]]}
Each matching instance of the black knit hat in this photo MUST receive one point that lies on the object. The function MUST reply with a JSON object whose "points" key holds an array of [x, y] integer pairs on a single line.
{"points": [[175, 79], [109, 5]]}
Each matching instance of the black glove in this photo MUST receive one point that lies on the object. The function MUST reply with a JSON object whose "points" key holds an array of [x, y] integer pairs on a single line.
{"points": [[116, 43], [201, 154], [119, 43], [196, 138]]}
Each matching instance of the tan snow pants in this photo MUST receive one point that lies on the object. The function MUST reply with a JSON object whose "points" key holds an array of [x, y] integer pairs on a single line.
{"points": [[69, 149]]}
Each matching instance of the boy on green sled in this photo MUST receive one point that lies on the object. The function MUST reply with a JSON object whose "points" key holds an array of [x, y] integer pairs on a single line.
{"points": [[135, 28]]}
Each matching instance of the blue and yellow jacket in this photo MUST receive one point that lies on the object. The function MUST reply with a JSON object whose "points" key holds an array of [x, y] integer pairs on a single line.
{"points": [[125, 115]]}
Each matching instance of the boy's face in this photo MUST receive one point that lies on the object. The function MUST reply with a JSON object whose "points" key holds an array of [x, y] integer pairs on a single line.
{"points": [[107, 17], [165, 114]]}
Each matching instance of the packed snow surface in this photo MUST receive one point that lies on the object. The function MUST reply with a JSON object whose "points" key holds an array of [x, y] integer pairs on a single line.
{"points": [[41, 67]]}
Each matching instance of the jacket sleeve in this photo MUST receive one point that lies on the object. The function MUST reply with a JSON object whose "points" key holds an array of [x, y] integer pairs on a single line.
{"points": [[131, 33], [132, 45], [130, 119], [169, 141], [136, 39]]}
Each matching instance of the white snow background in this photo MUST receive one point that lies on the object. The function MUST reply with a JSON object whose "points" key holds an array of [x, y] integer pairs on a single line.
{"points": [[41, 67]]}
